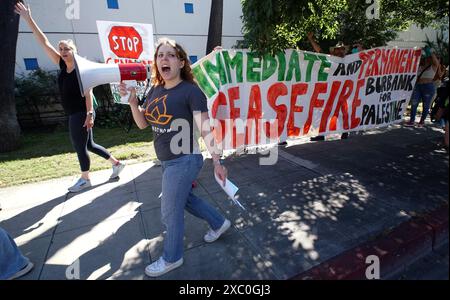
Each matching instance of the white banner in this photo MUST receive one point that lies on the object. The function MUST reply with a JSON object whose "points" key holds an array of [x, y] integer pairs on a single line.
{"points": [[256, 101]]}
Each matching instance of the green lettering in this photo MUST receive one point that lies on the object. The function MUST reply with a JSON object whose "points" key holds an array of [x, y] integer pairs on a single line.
{"points": [[203, 81], [323, 76], [281, 65], [236, 62], [214, 70], [294, 66], [253, 61], [268, 67], [311, 58]]}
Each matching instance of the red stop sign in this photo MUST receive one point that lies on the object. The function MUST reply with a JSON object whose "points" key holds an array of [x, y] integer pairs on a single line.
{"points": [[125, 42]]}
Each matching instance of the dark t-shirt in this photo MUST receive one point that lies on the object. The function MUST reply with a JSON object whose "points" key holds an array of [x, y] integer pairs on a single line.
{"points": [[163, 107], [71, 98]]}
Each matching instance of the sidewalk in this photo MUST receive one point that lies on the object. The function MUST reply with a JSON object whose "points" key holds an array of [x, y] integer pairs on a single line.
{"points": [[320, 200]]}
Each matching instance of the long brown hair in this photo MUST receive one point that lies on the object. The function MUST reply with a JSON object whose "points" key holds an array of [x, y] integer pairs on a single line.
{"points": [[185, 72]]}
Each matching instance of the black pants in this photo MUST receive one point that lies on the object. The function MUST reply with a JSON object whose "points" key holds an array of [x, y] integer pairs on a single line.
{"points": [[83, 140]]}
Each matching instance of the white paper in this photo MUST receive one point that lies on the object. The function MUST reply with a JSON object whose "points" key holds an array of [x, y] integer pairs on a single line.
{"points": [[129, 83], [230, 189]]}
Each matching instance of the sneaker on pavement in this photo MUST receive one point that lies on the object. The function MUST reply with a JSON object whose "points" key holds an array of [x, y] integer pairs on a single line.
{"points": [[116, 170], [29, 266], [213, 235], [161, 267], [409, 124], [81, 184]]}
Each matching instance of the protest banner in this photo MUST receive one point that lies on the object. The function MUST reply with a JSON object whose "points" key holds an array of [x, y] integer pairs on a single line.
{"points": [[126, 43], [254, 100]]}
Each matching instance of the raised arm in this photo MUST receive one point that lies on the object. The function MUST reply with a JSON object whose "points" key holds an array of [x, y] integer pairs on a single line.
{"points": [[25, 13], [314, 43]]}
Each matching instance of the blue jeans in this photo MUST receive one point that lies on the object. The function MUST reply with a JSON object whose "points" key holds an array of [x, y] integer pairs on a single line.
{"points": [[177, 196], [11, 259], [425, 92]]}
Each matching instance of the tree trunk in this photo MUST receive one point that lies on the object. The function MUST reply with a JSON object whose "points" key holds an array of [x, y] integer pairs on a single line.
{"points": [[9, 28], [215, 25]]}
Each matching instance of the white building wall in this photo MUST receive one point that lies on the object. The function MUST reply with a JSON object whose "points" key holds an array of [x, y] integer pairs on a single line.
{"points": [[168, 18], [415, 37]]}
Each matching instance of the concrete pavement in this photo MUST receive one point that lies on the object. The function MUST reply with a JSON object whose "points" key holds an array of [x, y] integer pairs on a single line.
{"points": [[320, 200]]}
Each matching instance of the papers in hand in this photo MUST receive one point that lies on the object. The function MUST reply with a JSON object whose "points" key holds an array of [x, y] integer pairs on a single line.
{"points": [[230, 189], [129, 83]]}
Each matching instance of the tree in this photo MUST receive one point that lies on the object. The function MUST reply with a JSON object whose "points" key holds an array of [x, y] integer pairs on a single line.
{"points": [[215, 25], [272, 25], [9, 28]]}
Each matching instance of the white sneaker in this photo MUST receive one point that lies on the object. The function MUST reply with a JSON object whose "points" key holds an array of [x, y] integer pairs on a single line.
{"points": [[81, 184], [212, 235], [116, 170], [161, 267]]}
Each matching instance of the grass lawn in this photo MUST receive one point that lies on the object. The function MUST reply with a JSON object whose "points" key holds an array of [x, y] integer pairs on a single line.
{"points": [[50, 155]]}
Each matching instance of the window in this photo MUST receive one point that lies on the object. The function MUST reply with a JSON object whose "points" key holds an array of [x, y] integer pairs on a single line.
{"points": [[31, 64], [189, 8], [193, 58], [113, 4]]}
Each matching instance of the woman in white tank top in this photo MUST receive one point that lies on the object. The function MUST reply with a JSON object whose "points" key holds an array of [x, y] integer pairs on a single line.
{"points": [[424, 89]]}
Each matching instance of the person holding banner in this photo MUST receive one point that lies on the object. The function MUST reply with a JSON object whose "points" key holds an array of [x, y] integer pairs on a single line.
{"points": [[339, 50], [424, 89], [176, 101], [79, 109]]}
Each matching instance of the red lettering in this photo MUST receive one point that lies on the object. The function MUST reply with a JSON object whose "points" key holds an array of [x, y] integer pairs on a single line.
{"points": [[235, 112], [319, 88], [329, 106], [254, 114], [297, 90], [356, 102], [391, 64], [385, 59], [375, 67], [342, 106], [397, 60], [365, 58], [220, 100], [409, 60], [370, 63], [417, 54], [276, 90], [401, 68]]}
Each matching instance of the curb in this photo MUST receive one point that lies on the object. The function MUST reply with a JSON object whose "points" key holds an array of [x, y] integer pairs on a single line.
{"points": [[397, 249]]}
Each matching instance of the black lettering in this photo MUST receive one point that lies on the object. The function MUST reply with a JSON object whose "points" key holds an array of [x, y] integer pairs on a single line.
{"points": [[340, 69], [369, 86], [371, 115], [395, 83], [410, 87], [364, 113]]}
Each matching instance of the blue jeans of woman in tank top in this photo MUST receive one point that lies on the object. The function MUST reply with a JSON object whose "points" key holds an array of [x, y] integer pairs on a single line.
{"points": [[424, 92], [177, 196]]}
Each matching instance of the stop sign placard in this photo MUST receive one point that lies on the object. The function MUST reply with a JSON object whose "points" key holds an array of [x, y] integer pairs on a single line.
{"points": [[125, 42]]}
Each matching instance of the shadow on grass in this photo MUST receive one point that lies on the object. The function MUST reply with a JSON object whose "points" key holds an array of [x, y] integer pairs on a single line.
{"points": [[45, 143]]}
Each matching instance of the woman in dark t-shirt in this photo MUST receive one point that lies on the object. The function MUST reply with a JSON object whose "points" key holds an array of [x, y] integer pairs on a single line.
{"points": [[79, 108], [172, 107]]}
